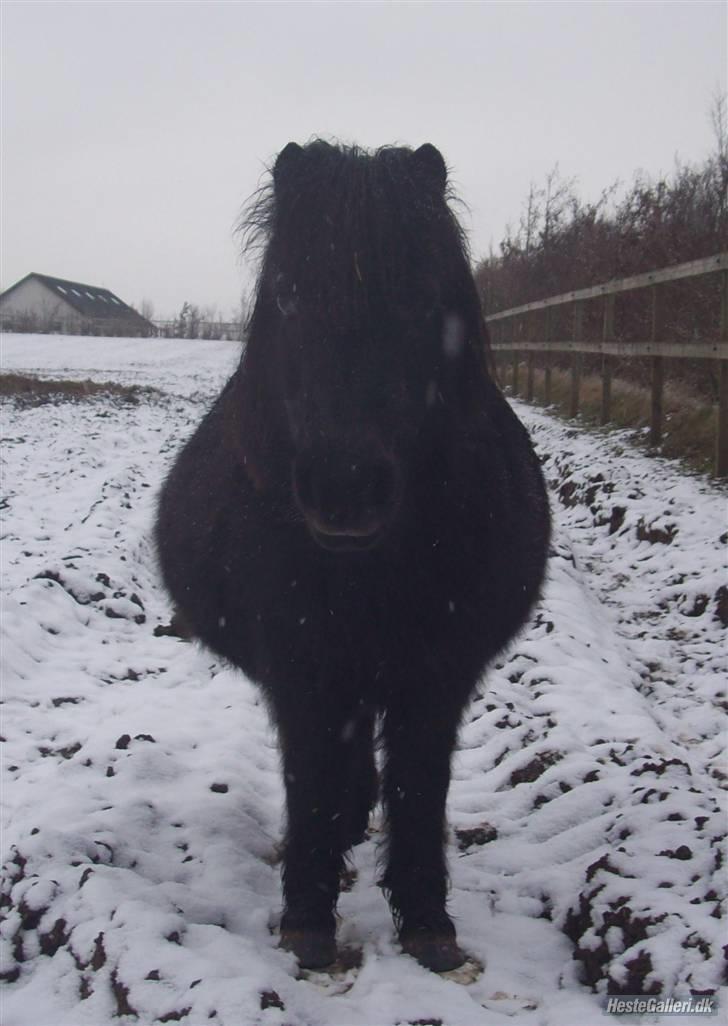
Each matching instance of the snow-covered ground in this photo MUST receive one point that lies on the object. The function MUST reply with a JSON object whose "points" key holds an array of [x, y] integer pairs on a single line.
{"points": [[142, 802]]}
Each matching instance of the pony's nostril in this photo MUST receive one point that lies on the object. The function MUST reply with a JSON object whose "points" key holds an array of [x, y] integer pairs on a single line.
{"points": [[372, 485], [380, 486], [303, 484]]}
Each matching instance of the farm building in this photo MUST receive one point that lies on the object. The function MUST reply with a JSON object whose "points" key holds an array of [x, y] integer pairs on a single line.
{"points": [[39, 302]]}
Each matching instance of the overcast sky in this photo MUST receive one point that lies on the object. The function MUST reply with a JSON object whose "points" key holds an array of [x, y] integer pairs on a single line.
{"points": [[132, 133]]}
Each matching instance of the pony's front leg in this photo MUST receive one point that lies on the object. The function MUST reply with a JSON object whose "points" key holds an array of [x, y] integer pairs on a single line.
{"points": [[419, 735], [313, 742]]}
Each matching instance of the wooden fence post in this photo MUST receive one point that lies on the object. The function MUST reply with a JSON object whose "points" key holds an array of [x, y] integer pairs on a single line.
{"points": [[607, 336], [492, 339], [530, 362], [658, 374], [721, 438], [576, 358], [514, 356], [547, 360]]}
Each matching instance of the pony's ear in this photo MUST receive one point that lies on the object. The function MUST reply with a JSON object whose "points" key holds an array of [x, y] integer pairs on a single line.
{"points": [[430, 164], [286, 162]]}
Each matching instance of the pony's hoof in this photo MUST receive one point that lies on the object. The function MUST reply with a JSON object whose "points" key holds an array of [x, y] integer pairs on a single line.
{"points": [[440, 954], [314, 949]]}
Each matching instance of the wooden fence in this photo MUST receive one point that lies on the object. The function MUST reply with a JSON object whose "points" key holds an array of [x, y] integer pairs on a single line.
{"points": [[525, 331]]}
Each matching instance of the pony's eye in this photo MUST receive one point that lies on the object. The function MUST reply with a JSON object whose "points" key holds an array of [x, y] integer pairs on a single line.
{"points": [[286, 296], [287, 305]]}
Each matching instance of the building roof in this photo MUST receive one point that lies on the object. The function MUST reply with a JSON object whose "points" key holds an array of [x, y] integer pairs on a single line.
{"points": [[88, 300]]}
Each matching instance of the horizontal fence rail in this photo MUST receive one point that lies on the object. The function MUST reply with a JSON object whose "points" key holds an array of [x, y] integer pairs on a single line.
{"points": [[534, 319], [692, 269]]}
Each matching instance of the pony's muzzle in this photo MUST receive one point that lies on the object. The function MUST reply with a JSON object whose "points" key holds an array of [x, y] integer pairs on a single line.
{"points": [[347, 500]]}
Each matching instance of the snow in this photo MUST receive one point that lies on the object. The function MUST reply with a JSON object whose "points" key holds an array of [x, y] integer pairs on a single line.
{"points": [[142, 796]]}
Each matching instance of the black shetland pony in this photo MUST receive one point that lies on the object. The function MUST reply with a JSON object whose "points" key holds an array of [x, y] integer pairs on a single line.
{"points": [[359, 522]]}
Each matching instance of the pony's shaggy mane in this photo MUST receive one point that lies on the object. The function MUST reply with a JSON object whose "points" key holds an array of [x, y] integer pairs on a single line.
{"points": [[257, 220], [374, 228]]}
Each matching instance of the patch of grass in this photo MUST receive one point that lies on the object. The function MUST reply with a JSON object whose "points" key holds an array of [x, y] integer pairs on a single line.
{"points": [[689, 421], [28, 390]]}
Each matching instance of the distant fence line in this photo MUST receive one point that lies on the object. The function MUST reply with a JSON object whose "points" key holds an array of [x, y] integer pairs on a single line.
{"points": [[226, 330], [527, 331], [118, 327], [99, 327]]}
